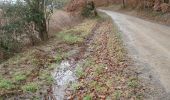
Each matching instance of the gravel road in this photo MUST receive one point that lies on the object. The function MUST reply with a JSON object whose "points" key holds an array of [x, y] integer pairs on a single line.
{"points": [[148, 43]]}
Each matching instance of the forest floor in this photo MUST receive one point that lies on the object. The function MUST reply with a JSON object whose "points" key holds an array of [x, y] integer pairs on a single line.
{"points": [[85, 62]]}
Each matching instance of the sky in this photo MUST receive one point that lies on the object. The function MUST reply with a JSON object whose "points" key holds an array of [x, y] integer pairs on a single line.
{"points": [[8, 0]]}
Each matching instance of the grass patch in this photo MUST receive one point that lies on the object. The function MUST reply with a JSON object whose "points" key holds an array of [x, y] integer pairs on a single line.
{"points": [[6, 84], [99, 68], [77, 34], [59, 58], [70, 38], [76, 86], [117, 95], [19, 77], [30, 87], [87, 97], [133, 83], [79, 72], [99, 88], [88, 62], [92, 84], [62, 55], [46, 76]]}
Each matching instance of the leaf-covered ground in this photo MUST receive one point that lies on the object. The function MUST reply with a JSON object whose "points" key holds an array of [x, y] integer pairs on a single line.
{"points": [[104, 73]]}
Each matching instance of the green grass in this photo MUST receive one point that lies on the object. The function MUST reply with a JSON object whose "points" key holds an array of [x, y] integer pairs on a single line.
{"points": [[30, 87], [6, 84], [117, 95], [99, 68], [76, 85], [88, 62], [19, 77], [79, 72], [59, 58], [133, 83], [46, 76], [99, 88], [92, 84], [70, 38], [87, 97]]}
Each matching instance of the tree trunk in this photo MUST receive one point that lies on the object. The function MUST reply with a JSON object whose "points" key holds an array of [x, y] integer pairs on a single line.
{"points": [[43, 34], [38, 8]]}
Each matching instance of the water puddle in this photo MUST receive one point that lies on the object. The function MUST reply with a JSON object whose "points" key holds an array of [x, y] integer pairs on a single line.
{"points": [[63, 75]]}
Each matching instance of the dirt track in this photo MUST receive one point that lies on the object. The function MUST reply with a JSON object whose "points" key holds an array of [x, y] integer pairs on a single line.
{"points": [[148, 43]]}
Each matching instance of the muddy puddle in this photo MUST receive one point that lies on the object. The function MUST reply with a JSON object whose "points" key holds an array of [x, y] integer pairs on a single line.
{"points": [[63, 75]]}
